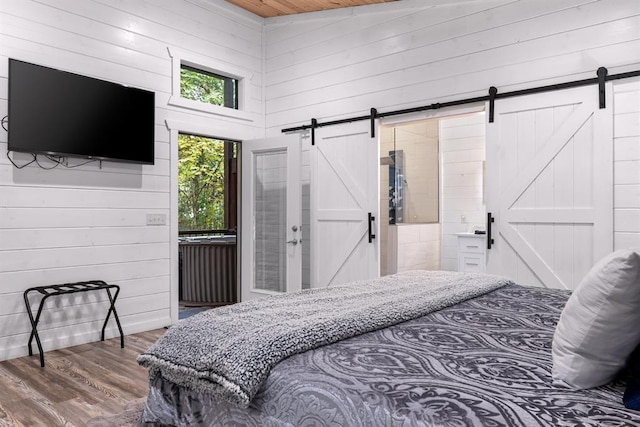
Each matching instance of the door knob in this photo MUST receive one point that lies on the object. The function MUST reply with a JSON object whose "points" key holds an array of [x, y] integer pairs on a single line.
{"points": [[293, 241]]}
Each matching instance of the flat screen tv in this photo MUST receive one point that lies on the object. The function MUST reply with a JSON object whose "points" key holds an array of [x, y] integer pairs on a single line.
{"points": [[59, 113]]}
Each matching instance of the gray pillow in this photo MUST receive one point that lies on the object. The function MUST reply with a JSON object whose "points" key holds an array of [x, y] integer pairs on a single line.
{"points": [[598, 328]]}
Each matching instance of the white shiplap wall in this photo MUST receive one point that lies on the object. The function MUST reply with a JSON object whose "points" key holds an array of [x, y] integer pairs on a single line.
{"points": [[402, 54], [626, 166], [409, 53], [462, 150], [66, 225]]}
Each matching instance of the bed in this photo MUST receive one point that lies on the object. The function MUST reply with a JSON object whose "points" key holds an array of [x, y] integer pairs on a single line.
{"points": [[480, 359]]}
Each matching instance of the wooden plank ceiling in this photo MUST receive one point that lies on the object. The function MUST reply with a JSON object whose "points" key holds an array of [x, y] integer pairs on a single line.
{"points": [[270, 8]]}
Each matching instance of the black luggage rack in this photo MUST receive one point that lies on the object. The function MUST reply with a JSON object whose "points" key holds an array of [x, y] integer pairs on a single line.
{"points": [[70, 288]]}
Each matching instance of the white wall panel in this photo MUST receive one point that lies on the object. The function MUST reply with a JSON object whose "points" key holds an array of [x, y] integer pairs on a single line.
{"points": [[44, 238], [18, 281], [452, 86], [462, 151], [422, 57], [61, 197], [90, 222], [34, 176], [13, 303], [41, 259], [626, 166], [627, 240], [627, 148], [445, 45], [627, 125], [627, 172]]}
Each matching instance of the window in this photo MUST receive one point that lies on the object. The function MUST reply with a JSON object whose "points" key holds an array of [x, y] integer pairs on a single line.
{"points": [[201, 83], [207, 184], [211, 88]]}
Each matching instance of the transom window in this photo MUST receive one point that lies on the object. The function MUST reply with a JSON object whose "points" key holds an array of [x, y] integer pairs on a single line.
{"points": [[208, 87]]}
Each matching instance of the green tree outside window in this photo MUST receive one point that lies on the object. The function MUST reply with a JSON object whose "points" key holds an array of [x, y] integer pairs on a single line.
{"points": [[200, 183], [207, 87]]}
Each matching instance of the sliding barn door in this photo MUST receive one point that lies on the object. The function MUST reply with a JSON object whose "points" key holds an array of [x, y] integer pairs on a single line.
{"points": [[549, 186], [344, 204]]}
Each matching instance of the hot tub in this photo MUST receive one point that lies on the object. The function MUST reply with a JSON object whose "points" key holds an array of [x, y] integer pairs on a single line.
{"points": [[208, 269]]}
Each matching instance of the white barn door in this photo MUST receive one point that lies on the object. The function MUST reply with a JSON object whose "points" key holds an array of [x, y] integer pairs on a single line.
{"points": [[550, 186], [344, 204]]}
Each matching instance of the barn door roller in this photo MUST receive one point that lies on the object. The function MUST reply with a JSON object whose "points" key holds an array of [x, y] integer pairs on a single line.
{"points": [[492, 101], [602, 78], [314, 125], [374, 115]]}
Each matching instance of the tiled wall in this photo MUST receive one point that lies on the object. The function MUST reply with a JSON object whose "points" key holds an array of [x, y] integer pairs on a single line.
{"points": [[416, 246]]}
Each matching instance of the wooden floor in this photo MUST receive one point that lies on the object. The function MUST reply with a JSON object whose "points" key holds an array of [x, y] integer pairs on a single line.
{"points": [[77, 383]]}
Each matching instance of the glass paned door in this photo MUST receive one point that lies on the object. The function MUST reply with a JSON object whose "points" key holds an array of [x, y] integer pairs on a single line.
{"points": [[271, 216]]}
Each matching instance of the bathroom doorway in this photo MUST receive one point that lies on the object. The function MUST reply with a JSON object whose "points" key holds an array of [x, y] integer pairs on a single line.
{"points": [[431, 188]]}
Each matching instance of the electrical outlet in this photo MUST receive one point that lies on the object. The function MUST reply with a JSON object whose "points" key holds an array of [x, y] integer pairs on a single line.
{"points": [[156, 219]]}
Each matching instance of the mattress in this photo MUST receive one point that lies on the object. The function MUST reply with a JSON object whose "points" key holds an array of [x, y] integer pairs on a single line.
{"points": [[482, 362]]}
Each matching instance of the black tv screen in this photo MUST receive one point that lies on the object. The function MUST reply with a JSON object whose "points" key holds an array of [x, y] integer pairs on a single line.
{"points": [[59, 113]]}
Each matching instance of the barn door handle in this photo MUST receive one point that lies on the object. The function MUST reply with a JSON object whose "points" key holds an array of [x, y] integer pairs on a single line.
{"points": [[490, 220], [371, 235]]}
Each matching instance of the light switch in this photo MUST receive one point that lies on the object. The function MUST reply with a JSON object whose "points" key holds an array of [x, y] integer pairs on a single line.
{"points": [[156, 219]]}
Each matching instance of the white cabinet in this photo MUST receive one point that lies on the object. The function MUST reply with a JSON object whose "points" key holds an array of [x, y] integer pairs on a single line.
{"points": [[471, 252]]}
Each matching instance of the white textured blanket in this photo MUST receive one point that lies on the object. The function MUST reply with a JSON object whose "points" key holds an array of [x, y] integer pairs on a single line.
{"points": [[229, 351]]}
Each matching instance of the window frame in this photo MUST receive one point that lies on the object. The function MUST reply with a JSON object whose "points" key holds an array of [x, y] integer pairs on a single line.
{"points": [[208, 65], [229, 96]]}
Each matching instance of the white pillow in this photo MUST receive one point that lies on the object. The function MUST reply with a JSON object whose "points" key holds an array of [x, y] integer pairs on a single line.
{"points": [[600, 325]]}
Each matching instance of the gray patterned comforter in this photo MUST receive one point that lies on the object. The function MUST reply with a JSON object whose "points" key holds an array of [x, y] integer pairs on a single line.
{"points": [[482, 362], [229, 352]]}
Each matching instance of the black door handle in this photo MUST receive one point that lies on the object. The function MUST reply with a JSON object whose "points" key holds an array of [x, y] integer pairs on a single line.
{"points": [[490, 220], [371, 235]]}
